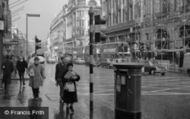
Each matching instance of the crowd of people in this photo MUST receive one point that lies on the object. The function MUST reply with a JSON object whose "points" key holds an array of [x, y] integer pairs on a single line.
{"points": [[65, 77]]}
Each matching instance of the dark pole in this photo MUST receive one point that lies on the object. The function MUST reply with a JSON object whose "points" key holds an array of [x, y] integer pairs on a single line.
{"points": [[27, 36], [91, 14], [35, 45], [1, 49]]}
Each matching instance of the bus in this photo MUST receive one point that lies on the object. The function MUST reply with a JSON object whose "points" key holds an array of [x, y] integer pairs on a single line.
{"points": [[114, 52]]}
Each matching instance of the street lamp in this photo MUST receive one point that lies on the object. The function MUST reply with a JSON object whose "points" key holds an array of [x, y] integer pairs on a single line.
{"points": [[29, 15]]}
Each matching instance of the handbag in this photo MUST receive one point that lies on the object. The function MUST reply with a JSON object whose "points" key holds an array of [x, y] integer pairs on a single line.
{"points": [[69, 86], [30, 72]]}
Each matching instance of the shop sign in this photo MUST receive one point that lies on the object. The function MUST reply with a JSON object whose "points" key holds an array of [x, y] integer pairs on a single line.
{"points": [[1, 25], [110, 50]]}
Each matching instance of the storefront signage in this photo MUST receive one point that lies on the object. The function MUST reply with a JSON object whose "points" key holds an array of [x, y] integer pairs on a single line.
{"points": [[1, 25], [110, 50]]}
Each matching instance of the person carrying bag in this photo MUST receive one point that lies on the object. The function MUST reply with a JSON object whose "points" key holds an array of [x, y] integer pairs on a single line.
{"points": [[70, 89]]}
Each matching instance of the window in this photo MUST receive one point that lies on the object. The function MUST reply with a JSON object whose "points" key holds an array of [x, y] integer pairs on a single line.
{"points": [[130, 12], [119, 11], [125, 11], [80, 13], [165, 6], [80, 23], [147, 36], [80, 33]]}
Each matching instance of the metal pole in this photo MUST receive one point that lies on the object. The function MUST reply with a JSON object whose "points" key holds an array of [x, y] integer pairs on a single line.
{"points": [[27, 35], [1, 50], [184, 23], [91, 15], [184, 36]]}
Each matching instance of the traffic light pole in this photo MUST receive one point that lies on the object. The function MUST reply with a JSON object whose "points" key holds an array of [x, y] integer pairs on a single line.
{"points": [[91, 15], [1, 50], [27, 36]]}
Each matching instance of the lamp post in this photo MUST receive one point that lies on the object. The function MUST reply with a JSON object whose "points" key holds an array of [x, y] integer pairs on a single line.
{"points": [[29, 15]]}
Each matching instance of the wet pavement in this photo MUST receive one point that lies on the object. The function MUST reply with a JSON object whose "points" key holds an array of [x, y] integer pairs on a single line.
{"points": [[163, 97]]}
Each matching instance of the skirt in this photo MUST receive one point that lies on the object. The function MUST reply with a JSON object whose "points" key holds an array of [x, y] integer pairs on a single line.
{"points": [[70, 97]]}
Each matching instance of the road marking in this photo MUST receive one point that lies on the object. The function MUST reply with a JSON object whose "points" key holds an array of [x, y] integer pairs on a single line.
{"points": [[166, 93], [167, 89]]}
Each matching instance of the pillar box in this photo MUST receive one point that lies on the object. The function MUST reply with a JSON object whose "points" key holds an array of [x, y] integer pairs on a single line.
{"points": [[128, 90]]}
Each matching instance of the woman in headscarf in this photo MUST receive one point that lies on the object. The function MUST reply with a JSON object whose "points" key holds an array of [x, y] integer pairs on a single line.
{"points": [[70, 89]]}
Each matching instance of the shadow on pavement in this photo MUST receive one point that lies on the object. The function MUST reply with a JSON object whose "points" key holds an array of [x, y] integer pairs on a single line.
{"points": [[35, 105], [62, 114]]}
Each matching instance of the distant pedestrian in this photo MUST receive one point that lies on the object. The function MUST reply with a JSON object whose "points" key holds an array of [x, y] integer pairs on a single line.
{"points": [[37, 76], [70, 89], [13, 60], [7, 67], [21, 65], [60, 71]]}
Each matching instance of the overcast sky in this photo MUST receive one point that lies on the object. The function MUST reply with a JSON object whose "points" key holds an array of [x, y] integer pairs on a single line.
{"points": [[36, 26]]}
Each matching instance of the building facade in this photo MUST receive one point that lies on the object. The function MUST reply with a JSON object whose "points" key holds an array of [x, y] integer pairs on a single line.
{"points": [[56, 33], [157, 24], [74, 24]]}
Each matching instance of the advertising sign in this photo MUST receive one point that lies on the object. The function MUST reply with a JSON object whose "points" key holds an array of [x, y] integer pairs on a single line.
{"points": [[1, 25]]}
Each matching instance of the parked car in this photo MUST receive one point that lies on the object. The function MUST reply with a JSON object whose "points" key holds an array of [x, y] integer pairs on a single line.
{"points": [[186, 63], [51, 60], [95, 63], [153, 67], [79, 61]]}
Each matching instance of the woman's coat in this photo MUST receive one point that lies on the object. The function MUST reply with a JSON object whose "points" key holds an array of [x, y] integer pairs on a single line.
{"points": [[39, 75]]}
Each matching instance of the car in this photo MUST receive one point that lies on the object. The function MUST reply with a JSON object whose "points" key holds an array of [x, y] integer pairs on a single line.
{"points": [[186, 63], [95, 63], [51, 60], [79, 61], [153, 67]]}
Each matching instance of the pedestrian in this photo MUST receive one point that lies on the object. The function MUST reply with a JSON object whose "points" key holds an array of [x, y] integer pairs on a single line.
{"points": [[37, 76], [60, 71], [13, 60], [7, 67], [21, 65], [70, 89]]}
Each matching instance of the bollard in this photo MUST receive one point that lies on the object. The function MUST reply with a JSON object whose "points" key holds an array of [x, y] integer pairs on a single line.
{"points": [[128, 90]]}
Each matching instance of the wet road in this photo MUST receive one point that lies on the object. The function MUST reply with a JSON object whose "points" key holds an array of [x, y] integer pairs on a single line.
{"points": [[163, 97]]}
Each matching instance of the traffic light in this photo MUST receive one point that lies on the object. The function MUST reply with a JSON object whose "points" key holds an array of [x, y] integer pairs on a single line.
{"points": [[37, 44], [99, 36]]}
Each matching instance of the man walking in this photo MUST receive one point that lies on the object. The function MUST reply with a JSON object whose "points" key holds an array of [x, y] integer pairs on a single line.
{"points": [[21, 65], [7, 67], [60, 71], [37, 77]]}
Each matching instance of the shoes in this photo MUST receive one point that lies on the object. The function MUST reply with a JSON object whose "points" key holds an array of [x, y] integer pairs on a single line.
{"points": [[72, 109]]}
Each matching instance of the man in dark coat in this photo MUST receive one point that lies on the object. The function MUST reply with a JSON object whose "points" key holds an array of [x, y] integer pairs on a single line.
{"points": [[7, 67], [60, 71], [21, 65]]}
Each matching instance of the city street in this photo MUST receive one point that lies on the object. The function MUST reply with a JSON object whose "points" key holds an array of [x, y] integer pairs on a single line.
{"points": [[163, 97]]}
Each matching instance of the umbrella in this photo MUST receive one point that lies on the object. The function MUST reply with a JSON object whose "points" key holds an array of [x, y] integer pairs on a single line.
{"points": [[41, 59]]}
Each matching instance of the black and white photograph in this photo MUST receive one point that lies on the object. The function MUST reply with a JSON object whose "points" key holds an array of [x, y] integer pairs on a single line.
{"points": [[94, 59]]}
